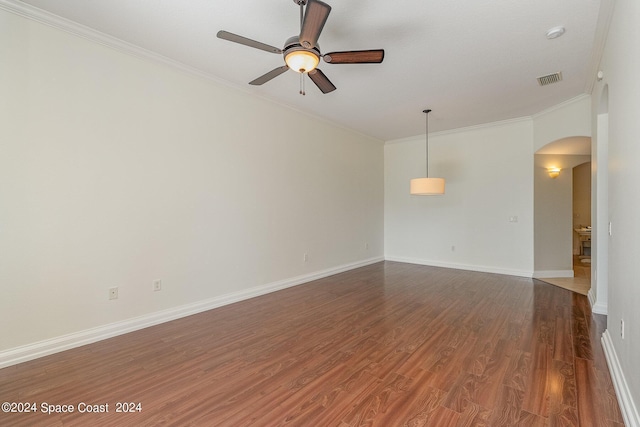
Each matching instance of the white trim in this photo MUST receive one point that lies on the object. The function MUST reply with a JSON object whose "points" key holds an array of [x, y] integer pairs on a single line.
{"points": [[65, 342], [547, 274], [560, 105], [459, 130], [491, 124], [592, 298], [625, 399], [47, 18], [479, 268], [597, 307]]}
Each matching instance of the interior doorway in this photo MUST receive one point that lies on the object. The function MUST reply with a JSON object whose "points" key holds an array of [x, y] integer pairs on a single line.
{"points": [[562, 214], [582, 225]]}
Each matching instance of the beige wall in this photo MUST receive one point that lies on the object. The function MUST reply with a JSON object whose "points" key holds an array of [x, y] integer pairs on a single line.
{"points": [[582, 195], [488, 172], [116, 171], [569, 119], [616, 109], [581, 200]]}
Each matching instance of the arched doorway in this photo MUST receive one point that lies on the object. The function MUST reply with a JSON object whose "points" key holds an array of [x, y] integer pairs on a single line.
{"points": [[555, 216]]}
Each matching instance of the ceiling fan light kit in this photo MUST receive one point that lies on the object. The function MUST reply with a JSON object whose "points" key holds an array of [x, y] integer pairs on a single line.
{"points": [[427, 186], [298, 58], [302, 53]]}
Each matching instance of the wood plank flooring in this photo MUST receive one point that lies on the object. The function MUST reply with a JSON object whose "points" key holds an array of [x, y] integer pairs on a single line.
{"points": [[389, 344]]}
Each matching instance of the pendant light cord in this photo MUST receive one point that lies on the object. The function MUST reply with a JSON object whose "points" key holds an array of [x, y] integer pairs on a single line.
{"points": [[427, 140]]}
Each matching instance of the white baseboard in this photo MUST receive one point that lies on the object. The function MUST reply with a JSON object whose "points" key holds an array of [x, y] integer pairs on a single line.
{"points": [[65, 342], [625, 399], [546, 274], [479, 268], [592, 298], [597, 307]]}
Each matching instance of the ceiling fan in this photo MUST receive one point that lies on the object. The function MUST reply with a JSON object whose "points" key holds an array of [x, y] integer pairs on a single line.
{"points": [[302, 52]]}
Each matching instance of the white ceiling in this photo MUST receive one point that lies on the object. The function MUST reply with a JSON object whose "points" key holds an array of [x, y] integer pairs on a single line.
{"points": [[471, 61]]}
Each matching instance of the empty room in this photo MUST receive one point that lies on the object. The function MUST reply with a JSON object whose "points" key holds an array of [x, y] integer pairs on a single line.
{"points": [[319, 213]]}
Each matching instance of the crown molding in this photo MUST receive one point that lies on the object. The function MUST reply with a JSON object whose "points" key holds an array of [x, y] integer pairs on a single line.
{"points": [[561, 105], [462, 129], [35, 14]]}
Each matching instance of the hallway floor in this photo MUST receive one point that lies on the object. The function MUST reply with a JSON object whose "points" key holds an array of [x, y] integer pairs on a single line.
{"points": [[581, 280]]}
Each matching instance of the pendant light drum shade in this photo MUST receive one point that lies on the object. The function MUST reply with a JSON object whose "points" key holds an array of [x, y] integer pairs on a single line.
{"points": [[427, 186]]}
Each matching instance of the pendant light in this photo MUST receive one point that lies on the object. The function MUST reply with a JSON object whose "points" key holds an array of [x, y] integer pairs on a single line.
{"points": [[427, 186]]}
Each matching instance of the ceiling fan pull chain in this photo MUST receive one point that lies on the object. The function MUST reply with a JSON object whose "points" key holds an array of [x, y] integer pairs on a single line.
{"points": [[302, 91]]}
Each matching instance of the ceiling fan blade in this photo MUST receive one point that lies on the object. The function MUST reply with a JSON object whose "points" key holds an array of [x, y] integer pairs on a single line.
{"points": [[323, 83], [270, 75], [315, 16], [374, 56], [225, 35]]}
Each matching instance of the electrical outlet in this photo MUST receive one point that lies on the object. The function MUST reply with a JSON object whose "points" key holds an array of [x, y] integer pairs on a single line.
{"points": [[157, 285], [513, 218], [113, 293], [305, 257], [622, 328]]}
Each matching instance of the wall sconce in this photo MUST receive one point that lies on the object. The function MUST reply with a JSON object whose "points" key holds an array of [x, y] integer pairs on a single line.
{"points": [[554, 172]]}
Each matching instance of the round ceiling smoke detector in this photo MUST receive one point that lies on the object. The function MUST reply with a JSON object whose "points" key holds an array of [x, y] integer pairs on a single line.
{"points": [[555, 32]]}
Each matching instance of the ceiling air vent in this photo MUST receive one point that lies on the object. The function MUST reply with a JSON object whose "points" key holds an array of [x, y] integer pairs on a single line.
{"points": [[548, 79]]}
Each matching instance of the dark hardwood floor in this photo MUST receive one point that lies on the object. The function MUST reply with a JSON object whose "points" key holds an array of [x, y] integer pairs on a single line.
{"points": [[390, 344]]}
